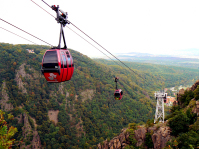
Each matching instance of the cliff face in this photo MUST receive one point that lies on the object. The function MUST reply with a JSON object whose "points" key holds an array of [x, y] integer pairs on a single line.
{"points": [[118, 142], [5, 98], [195, 85], [160, 136], [197, 108], [30, 135]]}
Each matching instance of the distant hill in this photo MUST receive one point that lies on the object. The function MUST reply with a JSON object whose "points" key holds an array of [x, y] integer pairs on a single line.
{"points": [[172, 75], [82, 112], [184, 59]]}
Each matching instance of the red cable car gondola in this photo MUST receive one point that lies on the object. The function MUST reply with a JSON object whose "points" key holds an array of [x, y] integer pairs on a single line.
{"points": [[165, 98], [57, 63], [118, 92]]}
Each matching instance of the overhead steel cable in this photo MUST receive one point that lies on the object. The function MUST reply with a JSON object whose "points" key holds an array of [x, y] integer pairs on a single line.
{"points": [[43, 8], [92, 65], [92, 44], [76, 32], [109, 52], [16, 34], [37, 44], [25, 32], [44, 41], [97, 44], [45, 3], [102, 47]]}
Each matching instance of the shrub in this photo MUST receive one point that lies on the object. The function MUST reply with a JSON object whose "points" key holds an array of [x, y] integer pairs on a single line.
{"points": [[149, 142], [186, 98], [188, 139], [179, 123]]}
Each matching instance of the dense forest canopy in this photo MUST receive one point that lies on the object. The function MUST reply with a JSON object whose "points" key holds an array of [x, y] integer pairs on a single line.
{"points": [[172, 76], [87, 111]]}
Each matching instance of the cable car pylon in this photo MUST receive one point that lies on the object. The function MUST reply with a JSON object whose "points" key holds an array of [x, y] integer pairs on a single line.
{"points": [[161, 99]]}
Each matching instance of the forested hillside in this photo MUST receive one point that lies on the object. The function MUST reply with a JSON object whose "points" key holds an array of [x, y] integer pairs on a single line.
{"points": [[79, 113], [172, 76]]}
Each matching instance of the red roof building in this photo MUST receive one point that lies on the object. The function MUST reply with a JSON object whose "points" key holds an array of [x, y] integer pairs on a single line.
{"points": [[170, 100]]}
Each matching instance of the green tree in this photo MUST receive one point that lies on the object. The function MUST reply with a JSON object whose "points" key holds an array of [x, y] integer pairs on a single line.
{"points": [[6, 133], [179, 123], [188, 139]]}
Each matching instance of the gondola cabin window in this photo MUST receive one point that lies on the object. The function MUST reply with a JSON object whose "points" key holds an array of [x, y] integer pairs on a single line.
{"points": [[50, 60], [64, 59]]}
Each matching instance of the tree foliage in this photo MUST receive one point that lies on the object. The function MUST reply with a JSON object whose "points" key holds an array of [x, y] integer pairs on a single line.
{"points": [[184, 122], [6, 133]]}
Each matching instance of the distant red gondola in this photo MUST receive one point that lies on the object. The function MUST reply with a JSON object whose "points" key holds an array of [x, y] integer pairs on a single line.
{"points": [[165, 98], [118, 92]]}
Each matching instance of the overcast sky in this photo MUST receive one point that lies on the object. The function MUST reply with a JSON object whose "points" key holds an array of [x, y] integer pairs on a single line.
{"points": [[121, 26]]}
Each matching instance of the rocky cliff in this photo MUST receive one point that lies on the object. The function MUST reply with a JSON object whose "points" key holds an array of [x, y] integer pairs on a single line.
{"points": [[4, 102], [160, 134], [30, 135]]}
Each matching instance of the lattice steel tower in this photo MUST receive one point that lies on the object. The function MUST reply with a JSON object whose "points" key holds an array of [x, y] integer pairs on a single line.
{"points": [[161, 99]]}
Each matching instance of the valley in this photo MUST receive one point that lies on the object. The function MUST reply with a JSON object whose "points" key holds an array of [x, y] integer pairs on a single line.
{"points": [[82, 112]]}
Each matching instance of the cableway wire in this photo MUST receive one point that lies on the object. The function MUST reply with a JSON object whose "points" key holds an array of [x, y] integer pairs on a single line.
{"points": [[37, 44], [25, 31], [76, 32], [80, 36], [16, 34], [106, 50], [111, 75], [43, 8], [92, 44], [110, 53], [101, 46]]}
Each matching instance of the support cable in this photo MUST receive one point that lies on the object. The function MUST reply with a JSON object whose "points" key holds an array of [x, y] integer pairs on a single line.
{"points": [[46, 3], [111, 75], [25, 32], [110, 53], [92, 44], [16, 34], [99, 45], [76, 32], [37, 44], [102, 47], [43, 8], [88, 42]]}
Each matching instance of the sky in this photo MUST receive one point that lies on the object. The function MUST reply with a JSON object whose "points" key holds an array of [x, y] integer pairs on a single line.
{"points": [[146, 26]]}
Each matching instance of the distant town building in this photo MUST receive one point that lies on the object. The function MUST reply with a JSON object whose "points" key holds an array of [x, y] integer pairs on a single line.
{"points": [[170, 100], [180, 87], [173, 89], [30, 50]]}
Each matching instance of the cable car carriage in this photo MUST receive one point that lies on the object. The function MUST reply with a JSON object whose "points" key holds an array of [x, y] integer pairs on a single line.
{"points": [[118, 92], [165, 98], [57, 63]]}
